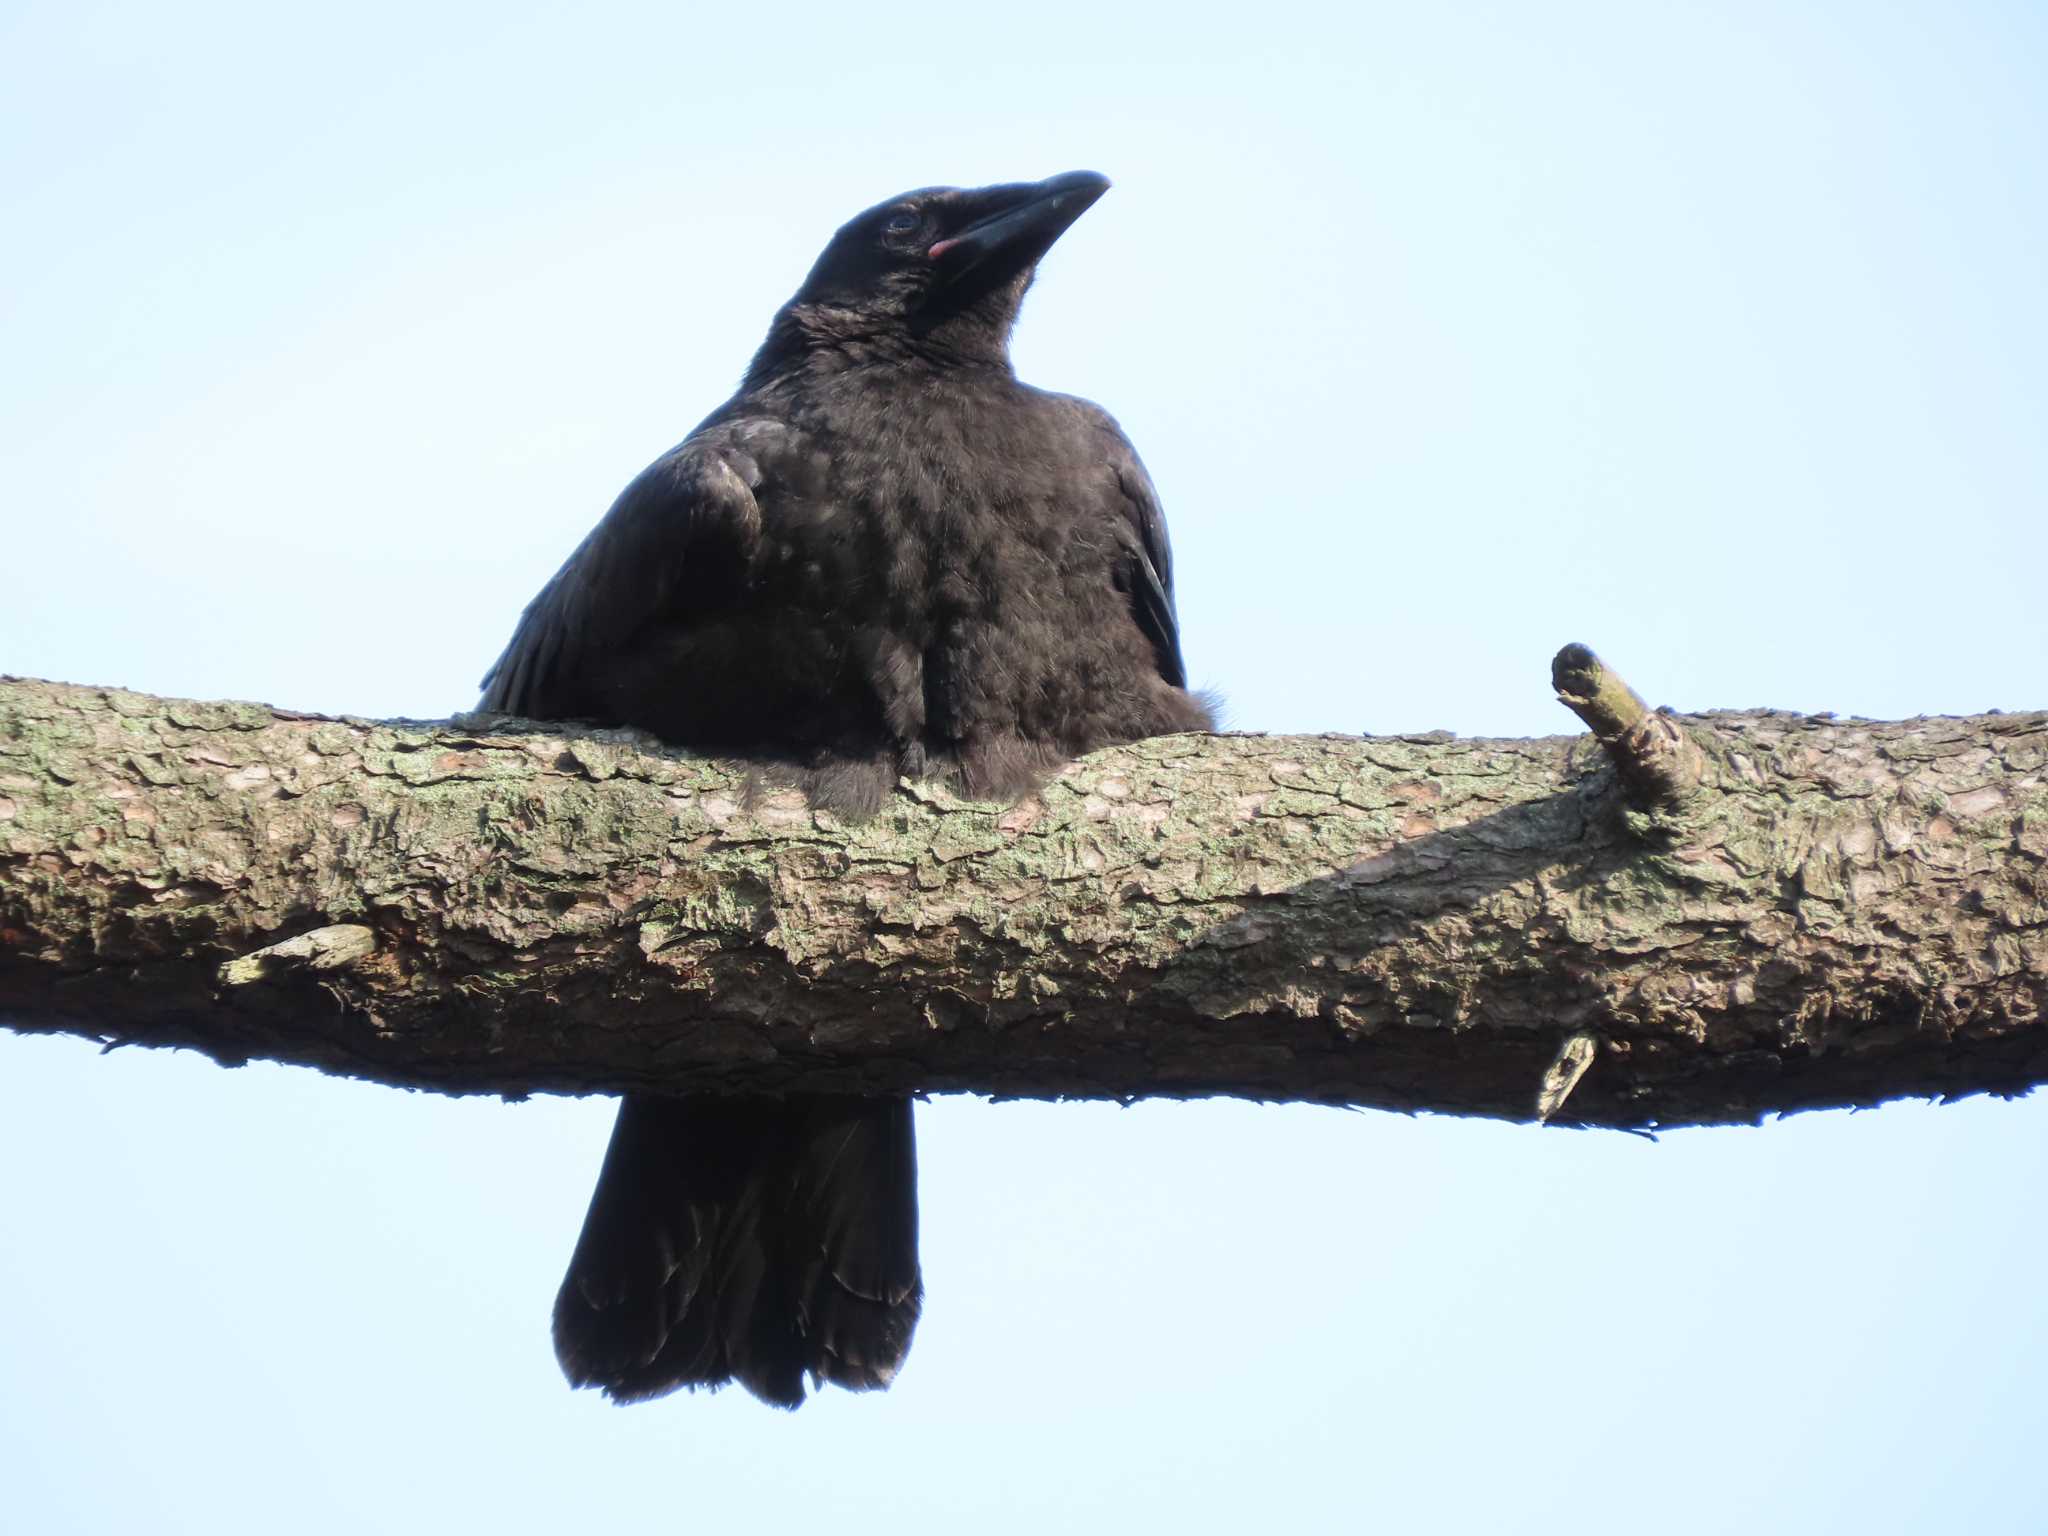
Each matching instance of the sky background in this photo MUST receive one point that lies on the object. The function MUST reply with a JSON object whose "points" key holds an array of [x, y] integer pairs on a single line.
{"points": [[1711, 335]]}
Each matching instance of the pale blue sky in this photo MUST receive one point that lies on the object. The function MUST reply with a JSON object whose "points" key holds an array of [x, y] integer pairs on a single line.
{"points": [[1713, 335]]}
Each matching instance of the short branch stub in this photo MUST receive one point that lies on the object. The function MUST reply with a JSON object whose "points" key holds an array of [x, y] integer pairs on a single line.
{"points": [[1659, 765]]}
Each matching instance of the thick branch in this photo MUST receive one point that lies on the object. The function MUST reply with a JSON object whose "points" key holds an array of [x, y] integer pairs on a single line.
{"points": [[1848, 911]]}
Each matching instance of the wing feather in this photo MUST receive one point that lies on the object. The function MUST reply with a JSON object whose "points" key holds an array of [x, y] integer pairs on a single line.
{"points": [[627, 571]]}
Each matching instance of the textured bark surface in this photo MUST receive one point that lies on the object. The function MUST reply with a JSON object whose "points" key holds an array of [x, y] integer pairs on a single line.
{"points": [[1841, 913]]}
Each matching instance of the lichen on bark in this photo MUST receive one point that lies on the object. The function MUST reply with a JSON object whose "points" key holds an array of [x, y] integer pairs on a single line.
{"points": [[1845, 911]]}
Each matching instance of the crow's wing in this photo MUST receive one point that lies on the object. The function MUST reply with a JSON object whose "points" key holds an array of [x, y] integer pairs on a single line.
{"points": [[1145, 563], [694, 506], [1149, 568]]}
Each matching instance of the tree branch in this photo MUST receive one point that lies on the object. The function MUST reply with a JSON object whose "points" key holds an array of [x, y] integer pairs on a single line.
{"points": [[1838, 913]]}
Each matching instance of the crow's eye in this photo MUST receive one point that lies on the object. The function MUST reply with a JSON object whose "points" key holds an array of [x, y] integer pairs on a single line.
{"points": [[902, 223]]}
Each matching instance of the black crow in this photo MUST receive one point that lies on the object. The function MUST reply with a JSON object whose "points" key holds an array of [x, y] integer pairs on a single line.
{"points": [[884, 556]]}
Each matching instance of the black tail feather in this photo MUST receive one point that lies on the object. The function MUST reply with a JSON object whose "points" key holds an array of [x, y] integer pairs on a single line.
{"points": [[756, 1240]]}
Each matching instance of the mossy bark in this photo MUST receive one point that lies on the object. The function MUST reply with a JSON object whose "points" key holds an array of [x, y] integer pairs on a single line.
{"points": [[1844, 911]]}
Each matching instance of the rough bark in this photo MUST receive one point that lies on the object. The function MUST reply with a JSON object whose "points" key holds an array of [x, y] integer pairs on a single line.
{"points": [[1839, 912]]}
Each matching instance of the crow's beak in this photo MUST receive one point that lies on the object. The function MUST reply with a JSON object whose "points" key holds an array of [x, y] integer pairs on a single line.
{"points": [[1024, 223]]}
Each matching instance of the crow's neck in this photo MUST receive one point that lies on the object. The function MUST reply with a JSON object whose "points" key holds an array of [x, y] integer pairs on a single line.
{"points": [[807, 340]]}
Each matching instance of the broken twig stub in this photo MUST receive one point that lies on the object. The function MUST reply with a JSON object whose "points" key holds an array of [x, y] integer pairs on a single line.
{"points": [[1658, 763]]}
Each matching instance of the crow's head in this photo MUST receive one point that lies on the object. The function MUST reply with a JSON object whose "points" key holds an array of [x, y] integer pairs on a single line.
{"points": [[938, 272]]}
